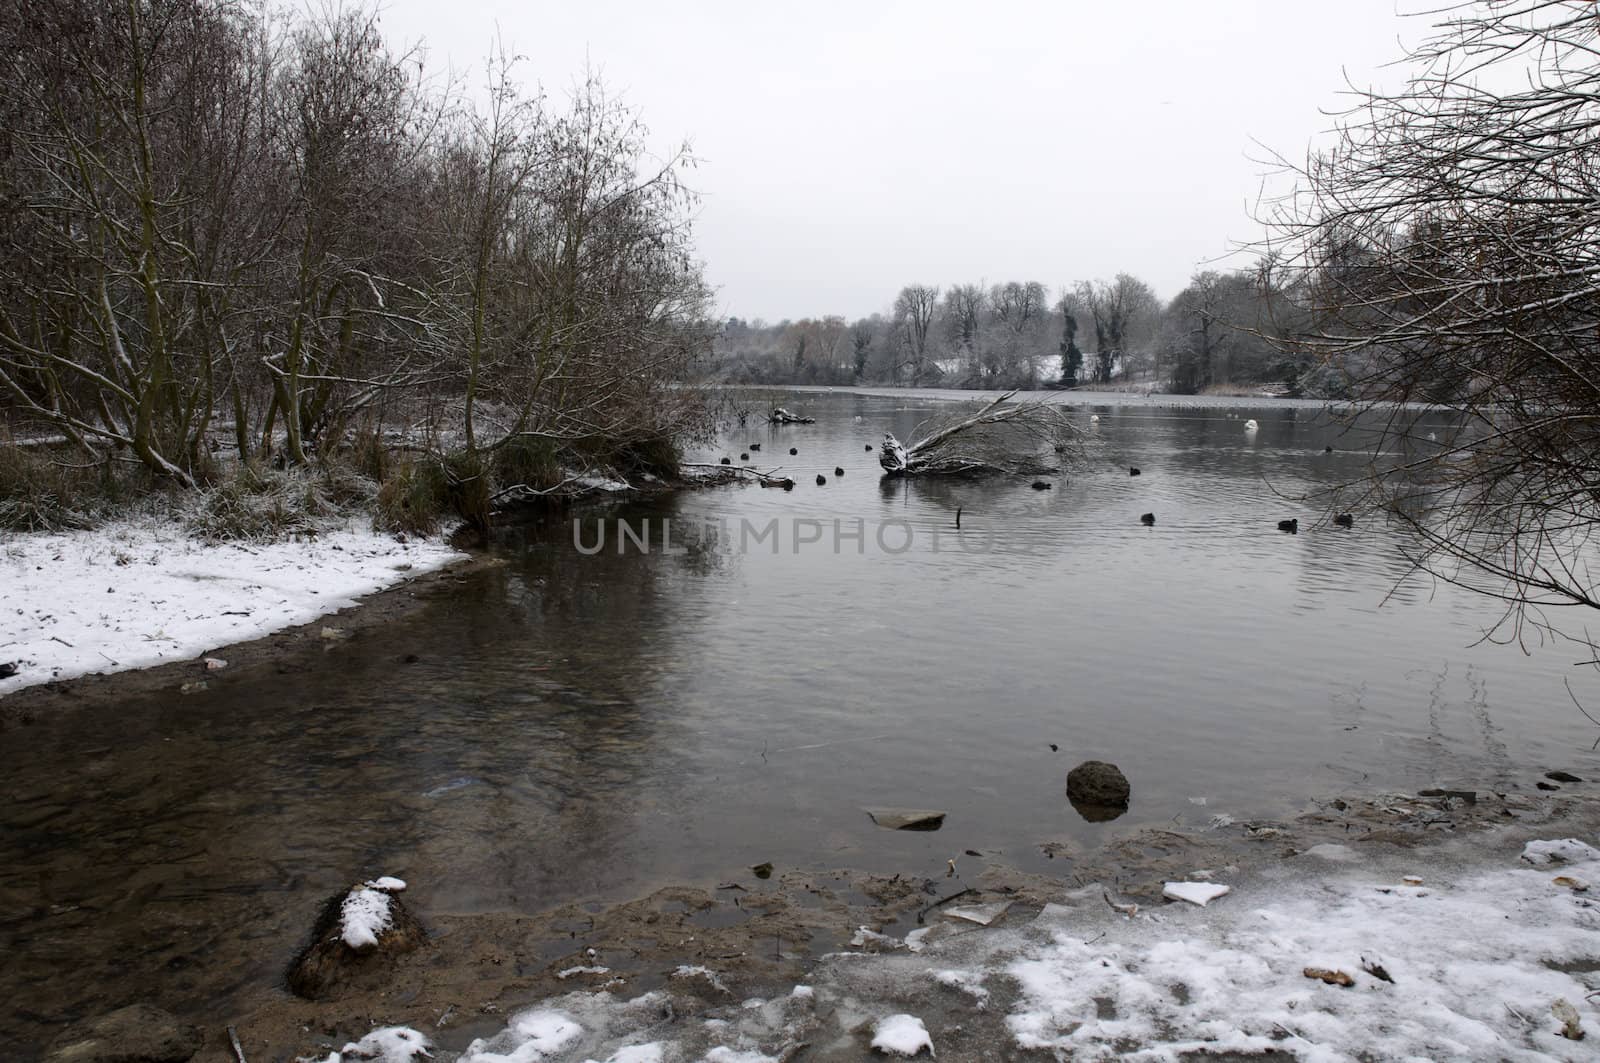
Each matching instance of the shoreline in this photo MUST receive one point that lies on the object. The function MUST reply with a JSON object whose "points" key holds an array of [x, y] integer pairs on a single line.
{"points": [[376, 608], [755, 938]]}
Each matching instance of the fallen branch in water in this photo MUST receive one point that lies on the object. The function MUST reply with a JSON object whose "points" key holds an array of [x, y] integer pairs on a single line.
{"points": [[716, 474], [1002, 436], [779, 415]]}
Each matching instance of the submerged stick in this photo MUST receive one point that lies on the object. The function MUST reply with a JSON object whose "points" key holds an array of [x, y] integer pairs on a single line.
{"points": [[238, 1050], [943, 900]]}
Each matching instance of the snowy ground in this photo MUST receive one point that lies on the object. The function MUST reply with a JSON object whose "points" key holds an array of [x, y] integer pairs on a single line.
{"points": [[1446, 958], [145, 593]]}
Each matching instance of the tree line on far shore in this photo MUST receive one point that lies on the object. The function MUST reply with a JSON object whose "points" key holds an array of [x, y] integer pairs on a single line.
{"points": [[1226, 331]]}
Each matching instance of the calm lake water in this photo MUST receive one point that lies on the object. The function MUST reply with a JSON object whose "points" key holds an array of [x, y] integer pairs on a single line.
{"points": [[588, 727]]}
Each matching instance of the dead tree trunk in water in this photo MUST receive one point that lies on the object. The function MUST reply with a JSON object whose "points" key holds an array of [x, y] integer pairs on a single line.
{"points": [[1000, 437]]}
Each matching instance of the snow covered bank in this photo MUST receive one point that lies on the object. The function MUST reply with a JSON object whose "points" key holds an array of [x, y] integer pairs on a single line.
{"points": [[1333, 956], [145, 593]]}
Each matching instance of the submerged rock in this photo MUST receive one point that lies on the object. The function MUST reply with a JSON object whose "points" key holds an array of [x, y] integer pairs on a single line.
{"points": [[358, 931], [138, 1033], [907, 818], [1094, 782]]}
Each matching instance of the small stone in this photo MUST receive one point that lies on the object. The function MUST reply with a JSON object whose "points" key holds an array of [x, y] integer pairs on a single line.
{"points": [[1323, 974], [1576, 885], [907, 818], [194, 686], [1546, 786], [215, 664], [334, 634], [1561, 776]]}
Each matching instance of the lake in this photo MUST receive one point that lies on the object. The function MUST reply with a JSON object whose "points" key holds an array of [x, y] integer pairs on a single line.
{"points": [[575, 725]]}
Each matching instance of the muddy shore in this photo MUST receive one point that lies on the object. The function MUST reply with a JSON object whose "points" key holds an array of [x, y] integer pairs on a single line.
{"points": [[760, 934]]}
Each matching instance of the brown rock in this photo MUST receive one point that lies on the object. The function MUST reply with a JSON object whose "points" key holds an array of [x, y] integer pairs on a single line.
{"points": [[329, 966], [1098, 784]]}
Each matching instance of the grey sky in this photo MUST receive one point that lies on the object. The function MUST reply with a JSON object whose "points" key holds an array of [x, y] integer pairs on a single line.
{"points": [[849, 149]]}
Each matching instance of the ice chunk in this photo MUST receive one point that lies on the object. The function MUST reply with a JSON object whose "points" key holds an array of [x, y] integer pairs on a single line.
{"points": [[901, 1035], [1558, 851], [1201, 893], [537, 1035], [388, 884], [982, 914], [389, 1044]]}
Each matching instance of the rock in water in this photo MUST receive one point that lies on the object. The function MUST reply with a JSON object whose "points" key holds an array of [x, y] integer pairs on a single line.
{"points": [[907, 818], [358, 931], [1561, 776], [135, 1034], [1098, 784]]}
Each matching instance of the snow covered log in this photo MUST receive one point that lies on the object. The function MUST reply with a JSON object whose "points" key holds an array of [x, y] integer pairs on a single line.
{"points": [[1001, 436], [779, 415]]}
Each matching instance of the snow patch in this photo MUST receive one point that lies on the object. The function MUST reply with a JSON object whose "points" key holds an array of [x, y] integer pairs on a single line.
{"points": [[364, 916], [390, 1044], [902, 1035], [140, 594], [1558, 851]]}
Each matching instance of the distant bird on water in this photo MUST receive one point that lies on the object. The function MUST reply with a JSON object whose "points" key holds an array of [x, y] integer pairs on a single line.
{"points": [[838, 470], [1250, 425], [792, 450], [1148, 519], [1042, 485], [1344, 520], [1133, 472], [1290, 525], [821, 479]]}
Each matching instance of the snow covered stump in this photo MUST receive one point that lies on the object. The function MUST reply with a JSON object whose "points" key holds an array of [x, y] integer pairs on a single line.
{"points": [[357, 927]]}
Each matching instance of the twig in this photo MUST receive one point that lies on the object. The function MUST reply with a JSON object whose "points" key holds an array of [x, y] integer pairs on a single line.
{"points": [[943, 900], [238, 1050]]}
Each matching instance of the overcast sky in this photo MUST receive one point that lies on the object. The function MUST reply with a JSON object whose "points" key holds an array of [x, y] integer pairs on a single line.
{"points": [[851, 148]]}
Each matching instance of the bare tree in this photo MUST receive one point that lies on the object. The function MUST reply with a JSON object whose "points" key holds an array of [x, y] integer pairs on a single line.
{"points": [[913, 314], [1448, 249]]}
